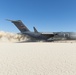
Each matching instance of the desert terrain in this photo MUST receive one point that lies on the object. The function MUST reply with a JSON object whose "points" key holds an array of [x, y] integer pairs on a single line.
{"points": [[36, 58]]}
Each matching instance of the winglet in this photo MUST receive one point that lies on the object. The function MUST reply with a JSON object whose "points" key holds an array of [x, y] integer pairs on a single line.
{"points": [[9, 20], [35, 30], [13, 20]]}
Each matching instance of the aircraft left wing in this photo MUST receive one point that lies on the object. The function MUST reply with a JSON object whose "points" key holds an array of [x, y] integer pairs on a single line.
{"points": [[49, 35]]}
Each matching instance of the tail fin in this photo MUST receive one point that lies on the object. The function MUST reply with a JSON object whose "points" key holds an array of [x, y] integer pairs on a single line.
{"points": [[35, 30], [20, 25]]}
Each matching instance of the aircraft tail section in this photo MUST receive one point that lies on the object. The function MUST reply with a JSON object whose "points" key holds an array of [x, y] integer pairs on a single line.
{"points": [[35, 30], [20, 25]]}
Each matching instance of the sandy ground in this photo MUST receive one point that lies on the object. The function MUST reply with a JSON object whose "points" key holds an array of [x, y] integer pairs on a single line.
{"points": [[37, 58]]}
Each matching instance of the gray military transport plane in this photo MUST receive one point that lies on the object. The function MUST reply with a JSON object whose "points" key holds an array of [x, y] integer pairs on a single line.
{"points": [[52, 36]]}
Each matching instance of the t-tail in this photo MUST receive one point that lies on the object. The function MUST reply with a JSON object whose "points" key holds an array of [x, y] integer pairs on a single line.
{"points": [[19, 25]]}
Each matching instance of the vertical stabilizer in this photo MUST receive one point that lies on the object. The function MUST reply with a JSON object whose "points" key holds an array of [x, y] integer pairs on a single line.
{"points": [[35, 30]]}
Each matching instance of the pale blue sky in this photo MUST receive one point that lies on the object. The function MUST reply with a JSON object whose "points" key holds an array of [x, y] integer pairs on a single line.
{"points": [[45, 15]]}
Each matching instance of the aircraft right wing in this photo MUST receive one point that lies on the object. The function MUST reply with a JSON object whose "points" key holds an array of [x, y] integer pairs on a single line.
{"points": [[19, 24]]}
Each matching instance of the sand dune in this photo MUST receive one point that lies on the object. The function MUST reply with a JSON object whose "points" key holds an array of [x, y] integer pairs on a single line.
{"points": [[12, 37], [37, 58]]}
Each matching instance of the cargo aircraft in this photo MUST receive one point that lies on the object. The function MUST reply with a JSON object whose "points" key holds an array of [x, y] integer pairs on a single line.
{"points": [[46, 36]]}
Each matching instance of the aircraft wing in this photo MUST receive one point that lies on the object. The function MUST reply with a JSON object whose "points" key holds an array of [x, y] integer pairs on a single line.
{"points": [[49, 35], [47, 32]]}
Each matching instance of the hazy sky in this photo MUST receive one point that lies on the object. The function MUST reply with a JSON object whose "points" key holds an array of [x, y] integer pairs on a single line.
{"points": [[45, 15]]}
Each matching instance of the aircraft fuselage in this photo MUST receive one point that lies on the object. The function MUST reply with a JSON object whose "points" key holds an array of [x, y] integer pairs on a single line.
{"points": [[65, 35]]}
